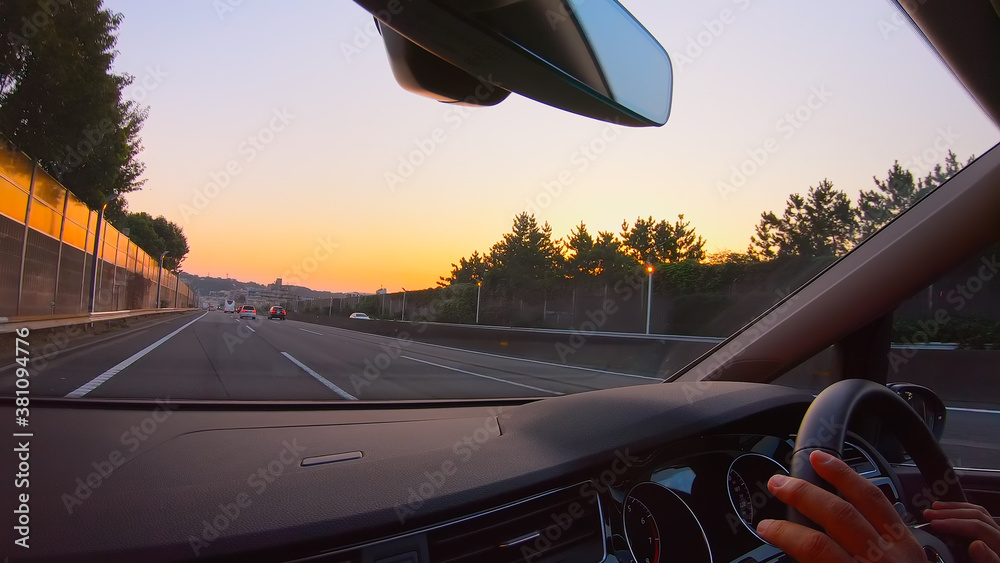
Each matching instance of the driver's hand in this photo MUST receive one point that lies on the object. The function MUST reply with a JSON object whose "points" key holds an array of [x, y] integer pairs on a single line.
{"points": [[969, 521], [861, 526]]}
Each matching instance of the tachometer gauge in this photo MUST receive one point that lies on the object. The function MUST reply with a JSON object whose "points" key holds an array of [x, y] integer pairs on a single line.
{"points": [[742, 497], [643, 535], [660, 527]]}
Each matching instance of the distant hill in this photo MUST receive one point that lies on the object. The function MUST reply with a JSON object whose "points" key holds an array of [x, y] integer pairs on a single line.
{"points": [[205, 284]]}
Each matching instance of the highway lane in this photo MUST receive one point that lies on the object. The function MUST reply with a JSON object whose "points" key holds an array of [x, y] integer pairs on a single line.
{"points": [[382, 368], [214, 358]]}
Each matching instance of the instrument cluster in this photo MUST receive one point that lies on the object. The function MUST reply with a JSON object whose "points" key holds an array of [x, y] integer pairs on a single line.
{"points": [[704, 503]]}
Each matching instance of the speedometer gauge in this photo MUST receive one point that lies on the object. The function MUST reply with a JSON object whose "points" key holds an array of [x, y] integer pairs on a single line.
{"points": [[660, 527], [752, 502], [644, 537], [742, 496]]}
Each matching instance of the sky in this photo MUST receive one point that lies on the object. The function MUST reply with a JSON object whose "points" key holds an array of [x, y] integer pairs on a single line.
{"points": [[278, 139]]}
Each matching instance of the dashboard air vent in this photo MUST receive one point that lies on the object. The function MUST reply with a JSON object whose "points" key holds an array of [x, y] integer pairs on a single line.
{"points": [[858, 460], [562, 526]]}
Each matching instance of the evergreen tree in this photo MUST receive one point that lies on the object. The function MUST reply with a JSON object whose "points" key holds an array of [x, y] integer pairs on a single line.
{"points": [[650, 242], [638, 240], [468, 270], [526, 259], [677, 242], [60, 101], [581, 257], [612, 260], [941, 174], [823, 223]]}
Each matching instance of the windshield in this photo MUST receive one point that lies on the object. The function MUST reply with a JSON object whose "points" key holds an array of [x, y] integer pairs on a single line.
{"points": [[507, 251]]}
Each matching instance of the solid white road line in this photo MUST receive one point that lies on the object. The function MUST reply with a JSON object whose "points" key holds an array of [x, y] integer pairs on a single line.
{"points": [[969, 444], [980, 411], [484, 376], [320, 378], [312, 332], [97, 381]]}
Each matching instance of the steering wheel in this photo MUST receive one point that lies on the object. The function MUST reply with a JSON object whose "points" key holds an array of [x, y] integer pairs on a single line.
{"points": [[824, 427]]}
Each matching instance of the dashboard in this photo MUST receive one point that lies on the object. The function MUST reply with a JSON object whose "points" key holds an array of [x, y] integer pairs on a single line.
{"points": [[697, 501], [669, 472]]}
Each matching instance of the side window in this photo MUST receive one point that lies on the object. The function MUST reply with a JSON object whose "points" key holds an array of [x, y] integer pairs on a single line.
{"points": [[947, 338]]}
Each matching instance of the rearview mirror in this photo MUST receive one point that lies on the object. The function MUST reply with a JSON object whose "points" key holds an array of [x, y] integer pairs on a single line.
{"points": [[589, 57]]}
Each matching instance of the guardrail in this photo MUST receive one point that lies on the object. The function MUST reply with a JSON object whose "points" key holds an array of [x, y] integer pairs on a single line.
{"points": [[565, 332], [660, 337], [355, 324], [42, 322]]}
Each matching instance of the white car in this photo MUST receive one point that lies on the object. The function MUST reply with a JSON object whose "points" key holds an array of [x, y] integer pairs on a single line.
{"points": [[248, 311], [360, 316]]}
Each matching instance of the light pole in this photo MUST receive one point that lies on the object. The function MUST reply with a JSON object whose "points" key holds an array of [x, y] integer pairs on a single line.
{"points": [[402, 315], [649, 298], [479, 293], [95, 260], [159, 279]]}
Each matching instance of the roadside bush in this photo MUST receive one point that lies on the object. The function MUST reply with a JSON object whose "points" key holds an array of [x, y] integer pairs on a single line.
{"points": [[973, 333]]}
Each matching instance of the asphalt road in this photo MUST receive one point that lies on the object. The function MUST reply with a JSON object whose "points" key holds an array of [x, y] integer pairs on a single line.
{"points": [[972, 437], [216, 356]]}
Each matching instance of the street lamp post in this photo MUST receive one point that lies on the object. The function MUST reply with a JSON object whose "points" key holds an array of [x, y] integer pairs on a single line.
{"points": [[649, 298], [96, 260], [402, 315], [479, 293], [159, 279]]}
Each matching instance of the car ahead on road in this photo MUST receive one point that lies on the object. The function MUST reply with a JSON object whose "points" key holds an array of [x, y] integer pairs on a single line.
{"points": [[360, 316], [276, 313], [230, 306], [248, 311]]}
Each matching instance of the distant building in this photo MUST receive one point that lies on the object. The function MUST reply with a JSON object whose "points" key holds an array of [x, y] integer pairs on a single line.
{"points": [[269, 296], [381, 291]]}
